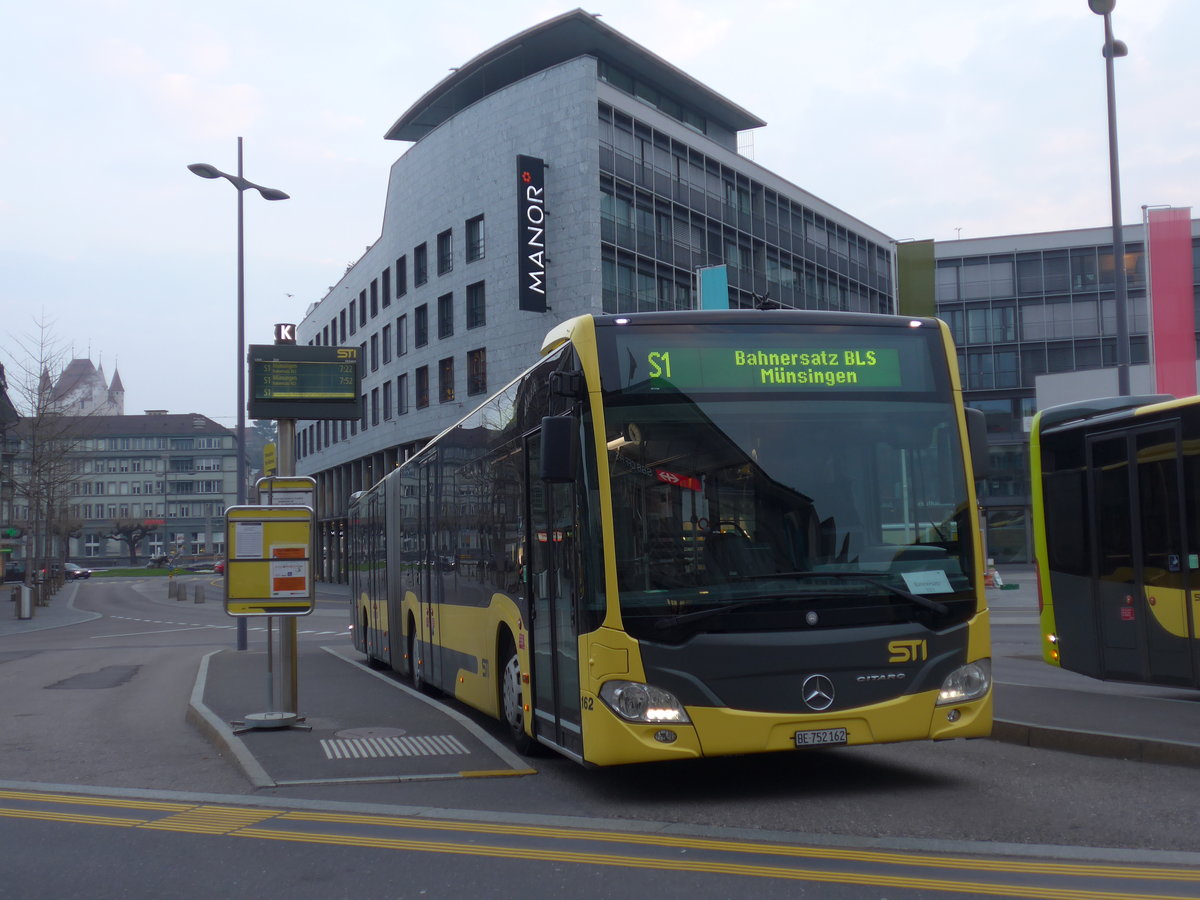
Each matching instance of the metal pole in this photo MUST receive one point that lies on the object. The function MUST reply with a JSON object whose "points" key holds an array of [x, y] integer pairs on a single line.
{"points": [[241, 366], [289, 656], [1121, 296]]}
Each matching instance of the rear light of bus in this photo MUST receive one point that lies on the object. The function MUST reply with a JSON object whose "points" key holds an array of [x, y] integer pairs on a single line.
{"points": [[966, 683], [637, 702]]}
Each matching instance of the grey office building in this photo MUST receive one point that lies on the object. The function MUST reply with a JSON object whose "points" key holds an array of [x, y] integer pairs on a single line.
{"points": [[1034, 320], [567, 170]]}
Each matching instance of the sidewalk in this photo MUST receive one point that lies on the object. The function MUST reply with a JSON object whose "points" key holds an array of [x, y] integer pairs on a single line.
{"points": [[61, 611]]}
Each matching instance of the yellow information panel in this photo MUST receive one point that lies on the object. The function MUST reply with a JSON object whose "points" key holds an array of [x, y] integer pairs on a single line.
{"points": [[268, 569], [287, 490]]}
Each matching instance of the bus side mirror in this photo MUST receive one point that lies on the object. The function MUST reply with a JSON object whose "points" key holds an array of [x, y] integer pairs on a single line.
{"points": [[981, 460], [560, 448]]}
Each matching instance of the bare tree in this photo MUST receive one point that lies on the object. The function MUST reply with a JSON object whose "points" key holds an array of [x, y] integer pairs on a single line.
{"points": [[131, 532], [45, 470]]}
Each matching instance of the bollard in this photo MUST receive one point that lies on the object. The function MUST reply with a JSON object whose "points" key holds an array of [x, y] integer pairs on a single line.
{"points": [[199, 596], [173, 590], [24, 600]]}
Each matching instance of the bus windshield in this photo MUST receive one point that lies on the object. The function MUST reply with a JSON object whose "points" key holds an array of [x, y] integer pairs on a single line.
{"points": [[788, 512]]}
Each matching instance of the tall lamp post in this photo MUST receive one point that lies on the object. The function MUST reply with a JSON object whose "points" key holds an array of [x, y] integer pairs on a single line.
{"points": [[204, 170], [1113, 49]]}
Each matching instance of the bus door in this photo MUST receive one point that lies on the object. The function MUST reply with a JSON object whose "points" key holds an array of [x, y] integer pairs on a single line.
{"points": [[1141, 569], [429, 593], [376, 635], [552, 590]]}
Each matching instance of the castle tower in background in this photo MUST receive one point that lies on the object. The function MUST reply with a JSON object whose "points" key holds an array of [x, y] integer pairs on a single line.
{"points": [[82, 390]]}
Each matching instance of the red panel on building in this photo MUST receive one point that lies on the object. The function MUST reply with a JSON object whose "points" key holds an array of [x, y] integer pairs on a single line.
{"points": [[1171, 308]]}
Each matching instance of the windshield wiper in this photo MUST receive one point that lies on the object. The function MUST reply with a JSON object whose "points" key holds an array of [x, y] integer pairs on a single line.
{"points": [[932, 605], [671, 621]]}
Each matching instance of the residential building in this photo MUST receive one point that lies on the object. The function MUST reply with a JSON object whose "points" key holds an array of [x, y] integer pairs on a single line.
{"points": [[177, 472]]}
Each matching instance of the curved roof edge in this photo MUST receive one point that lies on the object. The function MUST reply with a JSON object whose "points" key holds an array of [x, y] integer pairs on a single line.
{"points": [[573, 34]]}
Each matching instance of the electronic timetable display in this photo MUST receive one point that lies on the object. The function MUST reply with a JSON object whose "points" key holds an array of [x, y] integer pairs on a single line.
{"points": [[303, 382], [760, 361]]}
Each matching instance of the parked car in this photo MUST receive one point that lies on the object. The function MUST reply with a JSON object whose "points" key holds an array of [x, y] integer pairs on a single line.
{"points": [[14, 572], [219, 567], [75, 572]]}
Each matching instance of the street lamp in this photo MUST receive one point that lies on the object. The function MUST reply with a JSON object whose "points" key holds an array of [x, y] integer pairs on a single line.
{"points": [[204, 170], [1113, 49]]}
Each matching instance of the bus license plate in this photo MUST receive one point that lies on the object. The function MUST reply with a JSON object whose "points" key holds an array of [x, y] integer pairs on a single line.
{"points": [[821, 737]]}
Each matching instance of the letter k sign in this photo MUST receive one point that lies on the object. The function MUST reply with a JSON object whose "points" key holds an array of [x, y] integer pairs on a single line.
{"points": [[285, 334]]}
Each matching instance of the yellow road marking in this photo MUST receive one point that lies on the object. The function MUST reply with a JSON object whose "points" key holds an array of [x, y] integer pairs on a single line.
{"points": [[95, 801], [703, 866], [212, 819], [241, 822], [692, 843], [77, 818]]}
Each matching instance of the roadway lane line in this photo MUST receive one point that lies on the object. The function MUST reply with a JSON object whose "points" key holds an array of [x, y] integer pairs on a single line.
{"points": [[265, 824]]}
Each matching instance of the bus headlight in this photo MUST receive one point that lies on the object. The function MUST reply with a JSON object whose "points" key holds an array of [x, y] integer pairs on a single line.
{"points": [[642, 702], [969, 682]]}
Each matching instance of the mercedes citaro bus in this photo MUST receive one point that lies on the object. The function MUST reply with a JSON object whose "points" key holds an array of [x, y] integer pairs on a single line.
{"points": [[693, 534]]}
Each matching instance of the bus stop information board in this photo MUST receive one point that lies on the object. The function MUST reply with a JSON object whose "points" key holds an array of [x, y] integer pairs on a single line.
{"points": [[288, 381], [268, 570]]}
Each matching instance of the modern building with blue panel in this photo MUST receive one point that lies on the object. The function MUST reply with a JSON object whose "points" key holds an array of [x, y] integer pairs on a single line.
{"points": [[567, 170]]}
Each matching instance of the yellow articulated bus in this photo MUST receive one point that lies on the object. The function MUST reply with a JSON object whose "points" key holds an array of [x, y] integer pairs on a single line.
{"points": [[1117, 537], [694, 534]]}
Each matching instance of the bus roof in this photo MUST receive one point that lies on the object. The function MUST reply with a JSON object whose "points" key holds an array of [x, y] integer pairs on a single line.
{"points": [[1082, 410]]}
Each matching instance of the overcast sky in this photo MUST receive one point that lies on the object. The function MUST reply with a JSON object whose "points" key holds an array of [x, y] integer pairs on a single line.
{"points": [[925, 119]]}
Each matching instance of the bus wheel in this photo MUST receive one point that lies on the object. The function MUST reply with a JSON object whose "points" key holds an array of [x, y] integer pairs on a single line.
{"points": [[512, 700]]}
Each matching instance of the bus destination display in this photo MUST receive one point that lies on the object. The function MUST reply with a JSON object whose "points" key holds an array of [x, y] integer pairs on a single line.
{"points": [[757, 362]]}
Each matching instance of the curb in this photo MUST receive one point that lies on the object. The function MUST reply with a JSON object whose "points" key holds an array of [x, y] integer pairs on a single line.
{"points": [[221, 735], [1096, 743]]}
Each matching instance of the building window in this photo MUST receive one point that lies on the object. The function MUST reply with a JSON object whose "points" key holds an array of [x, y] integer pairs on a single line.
{"points": [[362, 307], [374, 297], [477, 371], [402, 394], [341, 327], [446, 380], [353, 316], [374, 352], [385, 287], [422, 387], [476, 314], [402, 335], [445, 252], [386, 339], [445, 315], [364, 412], [474, 239], [402, 276], [421, 313], [387, 399], [420, 265]]}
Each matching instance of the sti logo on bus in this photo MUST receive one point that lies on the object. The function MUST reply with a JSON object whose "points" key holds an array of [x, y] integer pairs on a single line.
{"points": [[907, 651], [531, 234]]}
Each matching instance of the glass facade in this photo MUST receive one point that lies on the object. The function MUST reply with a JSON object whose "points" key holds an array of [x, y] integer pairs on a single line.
{"points": [[1020, 314], [668, 209]]}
